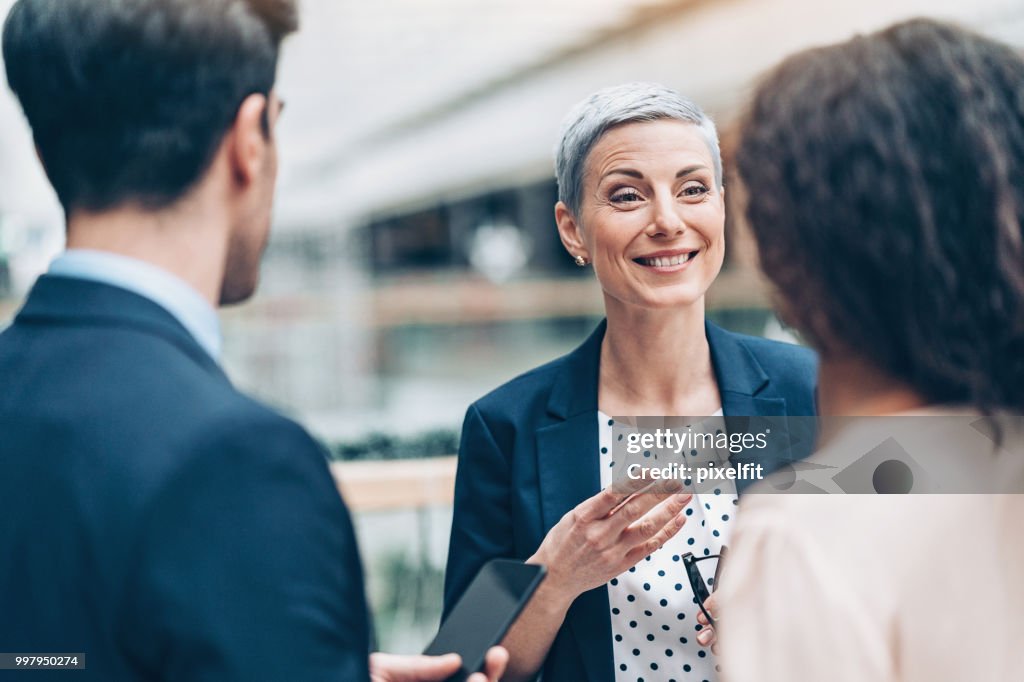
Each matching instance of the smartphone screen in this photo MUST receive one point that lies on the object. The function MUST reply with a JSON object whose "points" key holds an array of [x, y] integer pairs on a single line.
{"points": [[485, 612]]}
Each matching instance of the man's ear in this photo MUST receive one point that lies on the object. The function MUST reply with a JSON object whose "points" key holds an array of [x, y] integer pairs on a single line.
{"points": [[569, 232], [247, 144]]}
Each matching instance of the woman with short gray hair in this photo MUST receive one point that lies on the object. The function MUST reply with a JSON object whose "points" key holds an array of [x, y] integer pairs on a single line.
{"points": [[641, 201], [605, 109]]}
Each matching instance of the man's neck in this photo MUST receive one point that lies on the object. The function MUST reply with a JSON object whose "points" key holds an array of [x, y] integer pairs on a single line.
{"points": [[184, 240]]}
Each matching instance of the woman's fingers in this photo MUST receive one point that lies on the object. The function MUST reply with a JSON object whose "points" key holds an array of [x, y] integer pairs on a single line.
{"points": [[655, 542], [643, 502], [586, 548], [600, 505], [659, 524], [707, 637], [711, 604], [610, 500]]}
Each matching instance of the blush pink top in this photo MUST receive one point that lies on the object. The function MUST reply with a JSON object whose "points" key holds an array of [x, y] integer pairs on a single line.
{"points": [[915, 588]]}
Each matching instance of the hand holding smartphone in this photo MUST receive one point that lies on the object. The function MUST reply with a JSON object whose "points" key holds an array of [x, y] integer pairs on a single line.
{"points": [[485, 612]]}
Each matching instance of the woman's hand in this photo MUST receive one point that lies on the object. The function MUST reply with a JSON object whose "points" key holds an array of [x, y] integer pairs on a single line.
{"points": [[608, 534], [708, 636], [392, 668]]}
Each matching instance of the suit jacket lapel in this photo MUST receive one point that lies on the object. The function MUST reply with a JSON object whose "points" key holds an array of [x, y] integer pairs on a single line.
{"points": [[747, 393], [567, 466], [567, 458], [740, 376]]}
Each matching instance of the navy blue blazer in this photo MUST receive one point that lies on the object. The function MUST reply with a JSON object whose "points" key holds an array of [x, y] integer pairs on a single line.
{"points": [[527, 457], [155, 518]]}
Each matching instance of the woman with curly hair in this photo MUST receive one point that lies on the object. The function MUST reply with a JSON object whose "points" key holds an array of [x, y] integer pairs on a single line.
{"points": [[885, 190]]}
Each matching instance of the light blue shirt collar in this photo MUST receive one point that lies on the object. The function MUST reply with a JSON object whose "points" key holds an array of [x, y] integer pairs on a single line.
{"points": [[158, 285]]}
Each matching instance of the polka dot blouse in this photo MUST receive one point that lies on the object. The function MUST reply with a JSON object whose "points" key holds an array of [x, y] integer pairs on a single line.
{"points": [[653, 610]]}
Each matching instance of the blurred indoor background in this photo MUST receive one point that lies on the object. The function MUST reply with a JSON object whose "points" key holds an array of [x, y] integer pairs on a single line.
{"points": [[414, 263]]}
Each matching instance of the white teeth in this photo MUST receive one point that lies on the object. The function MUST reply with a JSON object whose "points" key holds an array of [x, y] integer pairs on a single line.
{"points": [[665, 262]]}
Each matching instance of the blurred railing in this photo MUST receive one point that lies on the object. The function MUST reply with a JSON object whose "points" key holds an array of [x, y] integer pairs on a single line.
{"points": [[471, 300], [373, 486], [402, 513]]}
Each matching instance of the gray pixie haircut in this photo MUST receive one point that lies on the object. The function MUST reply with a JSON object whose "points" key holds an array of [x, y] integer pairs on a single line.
{"points": [[615, 106]]}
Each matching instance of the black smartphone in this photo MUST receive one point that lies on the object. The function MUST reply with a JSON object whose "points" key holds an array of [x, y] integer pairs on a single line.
{"points": [[485, 612]]}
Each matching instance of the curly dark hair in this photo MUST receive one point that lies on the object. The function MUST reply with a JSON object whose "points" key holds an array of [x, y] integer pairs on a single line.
{"points": [[885, 189]]}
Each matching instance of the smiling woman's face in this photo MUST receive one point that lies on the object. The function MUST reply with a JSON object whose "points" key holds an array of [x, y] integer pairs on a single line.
{"points": [[652, 219]]}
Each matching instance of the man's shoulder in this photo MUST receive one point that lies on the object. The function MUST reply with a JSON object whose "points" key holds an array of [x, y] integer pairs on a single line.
{"points": [[160, 404], [206, 416], [243, 419]]}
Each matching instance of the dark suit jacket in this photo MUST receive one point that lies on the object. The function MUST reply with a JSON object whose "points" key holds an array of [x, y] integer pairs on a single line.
{"points": [[528, 456], [155, 518]]}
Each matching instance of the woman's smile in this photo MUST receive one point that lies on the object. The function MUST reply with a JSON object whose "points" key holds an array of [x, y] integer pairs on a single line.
{"points": [[667, 262]]}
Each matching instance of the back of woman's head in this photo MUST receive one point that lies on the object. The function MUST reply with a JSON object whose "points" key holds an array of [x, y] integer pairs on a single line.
{"points": [[885, 187]]}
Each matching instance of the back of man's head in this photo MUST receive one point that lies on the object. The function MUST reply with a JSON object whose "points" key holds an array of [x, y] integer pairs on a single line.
{"points": [[128, 100]]}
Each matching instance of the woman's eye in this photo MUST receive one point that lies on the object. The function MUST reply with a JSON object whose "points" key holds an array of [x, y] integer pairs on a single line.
{"points": [[694, 190], [625, 196]]}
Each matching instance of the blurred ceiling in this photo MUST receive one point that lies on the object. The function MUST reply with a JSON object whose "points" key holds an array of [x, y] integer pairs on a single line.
{"points": [[358, 75], [399, 101], [381, 63], [356, 69], [421, 102]]}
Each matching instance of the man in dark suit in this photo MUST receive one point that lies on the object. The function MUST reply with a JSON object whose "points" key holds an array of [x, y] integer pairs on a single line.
{"points": [[155, 519]]}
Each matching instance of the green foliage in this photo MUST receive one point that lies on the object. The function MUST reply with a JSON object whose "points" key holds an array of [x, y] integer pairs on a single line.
{"points": [[383, 446], [406, 602]]}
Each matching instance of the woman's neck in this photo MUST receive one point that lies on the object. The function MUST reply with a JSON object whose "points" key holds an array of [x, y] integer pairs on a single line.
{"points": [[848, 387], [656, 362]]}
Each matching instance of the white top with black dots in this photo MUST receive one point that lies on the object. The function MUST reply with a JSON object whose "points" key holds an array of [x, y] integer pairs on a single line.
{"points": [[653, 610]]}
